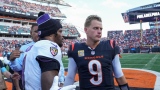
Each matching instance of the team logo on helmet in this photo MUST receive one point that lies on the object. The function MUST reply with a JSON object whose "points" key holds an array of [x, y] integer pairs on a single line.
{"points": [[39, 32], [54, 51]]}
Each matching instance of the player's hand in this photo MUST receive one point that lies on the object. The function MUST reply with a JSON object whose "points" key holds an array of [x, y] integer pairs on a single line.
{"points": [[56, 87]]}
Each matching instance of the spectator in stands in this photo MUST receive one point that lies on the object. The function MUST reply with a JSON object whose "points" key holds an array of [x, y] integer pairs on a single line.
{"points": [[30, 8]]}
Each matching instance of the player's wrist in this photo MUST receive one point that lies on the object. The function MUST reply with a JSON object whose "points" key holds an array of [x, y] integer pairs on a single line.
{"points": [[11, 76], [124, 87]]}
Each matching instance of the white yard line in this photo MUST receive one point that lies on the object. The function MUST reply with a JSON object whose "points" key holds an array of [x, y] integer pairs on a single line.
{"points": [[151, 62]]}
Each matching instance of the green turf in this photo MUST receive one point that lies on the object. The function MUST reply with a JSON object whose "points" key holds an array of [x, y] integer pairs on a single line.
{"points": [[141, 61]]}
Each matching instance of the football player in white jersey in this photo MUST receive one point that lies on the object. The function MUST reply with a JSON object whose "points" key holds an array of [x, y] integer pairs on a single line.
{"points": [[41, 62], [16, 64]]}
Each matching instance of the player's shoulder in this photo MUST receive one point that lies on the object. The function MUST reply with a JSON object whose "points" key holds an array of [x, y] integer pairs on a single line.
{"points": [[24, 47], [41, 43], [105, 42], [45, 43], [76, 45], [108, 43]]}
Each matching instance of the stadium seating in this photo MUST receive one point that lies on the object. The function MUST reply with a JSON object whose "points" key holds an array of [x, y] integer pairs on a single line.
{"points": [[14, 29], [68, 30], [126, 40], [150, 37], [17, 6], [9, 45], [132, 38]]}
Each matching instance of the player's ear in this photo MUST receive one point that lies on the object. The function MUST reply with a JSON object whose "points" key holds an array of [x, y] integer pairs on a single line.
{"points": [[85, 29]]}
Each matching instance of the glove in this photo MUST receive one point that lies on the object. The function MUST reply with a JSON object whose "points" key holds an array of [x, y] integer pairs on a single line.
{"points": [[56, 87]]}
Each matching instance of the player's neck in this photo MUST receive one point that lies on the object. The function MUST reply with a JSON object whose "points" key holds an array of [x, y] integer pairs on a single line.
{"points": [[92, 44], [49, 38]]}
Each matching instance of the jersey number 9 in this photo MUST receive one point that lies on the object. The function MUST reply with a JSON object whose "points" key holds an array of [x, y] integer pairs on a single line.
{"points": [[97, 72]]}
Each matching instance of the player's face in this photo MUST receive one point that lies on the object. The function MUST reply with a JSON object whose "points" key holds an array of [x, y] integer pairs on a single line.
{"points": [[59, 38], [34, 33], [94, 31]]}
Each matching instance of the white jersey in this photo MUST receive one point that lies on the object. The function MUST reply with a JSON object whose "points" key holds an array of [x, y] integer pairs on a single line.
{"points": [[32, 71]]}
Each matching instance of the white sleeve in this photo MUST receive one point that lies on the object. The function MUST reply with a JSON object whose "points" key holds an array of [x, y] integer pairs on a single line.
{"points": [[117, 67], [72, 69], [61, 72]]}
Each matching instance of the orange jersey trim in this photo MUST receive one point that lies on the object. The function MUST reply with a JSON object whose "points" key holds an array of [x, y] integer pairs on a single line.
{"points": [[72, 46]]}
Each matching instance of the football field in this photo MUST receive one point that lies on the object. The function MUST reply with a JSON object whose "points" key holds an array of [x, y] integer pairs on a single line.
{"points": [[146, 61]]}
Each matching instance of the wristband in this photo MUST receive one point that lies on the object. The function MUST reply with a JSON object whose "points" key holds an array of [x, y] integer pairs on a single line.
{"points": [[3, 69], [124, 87]]}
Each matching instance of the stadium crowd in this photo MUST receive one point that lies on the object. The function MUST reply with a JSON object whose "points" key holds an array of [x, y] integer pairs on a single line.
{"points": [[18, 30], [9, 45], [29, 8], [68, 30], [130, 38], [150, 37]]}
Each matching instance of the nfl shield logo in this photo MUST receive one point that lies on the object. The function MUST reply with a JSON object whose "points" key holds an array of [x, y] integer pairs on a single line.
{"points": [[54, 51], [92, 52], [80, 53]]}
